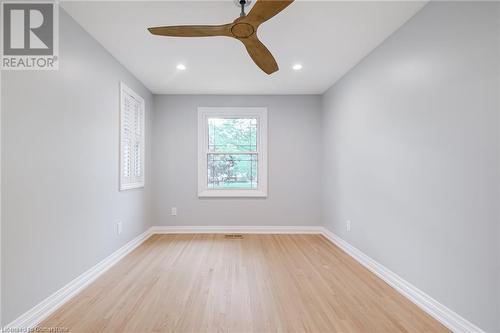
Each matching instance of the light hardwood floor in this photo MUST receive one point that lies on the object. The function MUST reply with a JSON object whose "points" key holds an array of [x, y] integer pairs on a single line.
{"points": [[261, 283]]}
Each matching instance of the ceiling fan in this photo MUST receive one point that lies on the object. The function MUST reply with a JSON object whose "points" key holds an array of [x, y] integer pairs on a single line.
{"points": [[244, 28]]}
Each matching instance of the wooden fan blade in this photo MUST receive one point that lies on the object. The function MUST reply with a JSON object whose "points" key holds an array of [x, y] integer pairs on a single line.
{"points": [[193, 30], [260, 54], [263, 10]]}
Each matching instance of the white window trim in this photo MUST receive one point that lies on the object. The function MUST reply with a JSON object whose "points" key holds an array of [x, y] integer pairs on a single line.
{"points": [[227, 112], [127, 185]]}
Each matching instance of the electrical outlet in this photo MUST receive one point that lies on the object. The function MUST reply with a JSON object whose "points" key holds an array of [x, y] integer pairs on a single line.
{"points": [[173, 212], [119, 228], [348, 226]]}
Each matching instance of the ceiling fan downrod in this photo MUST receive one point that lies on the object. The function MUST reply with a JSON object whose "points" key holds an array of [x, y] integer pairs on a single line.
{"points": [[242, 4]]}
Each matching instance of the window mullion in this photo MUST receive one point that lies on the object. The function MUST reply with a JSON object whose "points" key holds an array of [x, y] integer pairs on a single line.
{"points": [[208, 152]]}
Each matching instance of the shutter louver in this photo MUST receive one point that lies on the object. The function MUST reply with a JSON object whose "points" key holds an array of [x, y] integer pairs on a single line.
{"points": [[131, 139]]}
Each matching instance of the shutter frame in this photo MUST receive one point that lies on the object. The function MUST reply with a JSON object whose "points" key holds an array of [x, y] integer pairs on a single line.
{"points": [[132, 139]]}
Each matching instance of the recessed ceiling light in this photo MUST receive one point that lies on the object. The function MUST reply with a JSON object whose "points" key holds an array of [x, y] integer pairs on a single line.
{"points": [[181, 67], [297, 67]]}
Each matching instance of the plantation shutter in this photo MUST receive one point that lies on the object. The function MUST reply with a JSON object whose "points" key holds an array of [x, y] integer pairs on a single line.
{"points": [[131, 139]]}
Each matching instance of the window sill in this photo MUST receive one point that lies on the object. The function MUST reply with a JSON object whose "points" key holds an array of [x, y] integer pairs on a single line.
{"points": [[232, 194], [131, 186]]}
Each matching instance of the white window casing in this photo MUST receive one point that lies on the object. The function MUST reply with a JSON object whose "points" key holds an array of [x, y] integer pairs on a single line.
{"points": [[205, 113]]}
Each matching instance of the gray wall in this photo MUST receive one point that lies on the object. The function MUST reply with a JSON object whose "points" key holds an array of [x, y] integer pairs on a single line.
{"points": [[294, 163], [60, 195], [411, 147]]}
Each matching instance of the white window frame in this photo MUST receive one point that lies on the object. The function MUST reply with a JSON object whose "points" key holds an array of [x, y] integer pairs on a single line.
{"points": [[232, 112], [132, 182]]}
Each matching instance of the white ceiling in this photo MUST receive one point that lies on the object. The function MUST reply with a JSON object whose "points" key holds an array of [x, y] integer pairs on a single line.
{"points": [[327, 37]]}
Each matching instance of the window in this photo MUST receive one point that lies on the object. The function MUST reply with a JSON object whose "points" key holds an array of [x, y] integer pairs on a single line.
{"points": [[131, 139], [232, 152]]}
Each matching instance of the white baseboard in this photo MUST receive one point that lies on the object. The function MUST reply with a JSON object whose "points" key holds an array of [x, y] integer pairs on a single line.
{"points": [[237, 229], [447, 317], [45, 308]]}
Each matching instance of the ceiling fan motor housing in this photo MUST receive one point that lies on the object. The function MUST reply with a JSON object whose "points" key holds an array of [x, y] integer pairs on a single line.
{"points": [[242, 30]]}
